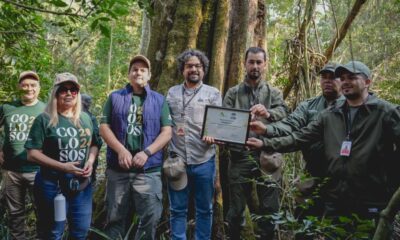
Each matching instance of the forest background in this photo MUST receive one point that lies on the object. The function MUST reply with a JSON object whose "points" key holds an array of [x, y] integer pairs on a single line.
{"points": [[95, 39]]}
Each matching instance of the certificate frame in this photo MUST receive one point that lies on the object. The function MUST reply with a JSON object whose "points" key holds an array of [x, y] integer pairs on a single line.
{"points": [[229, 119]]}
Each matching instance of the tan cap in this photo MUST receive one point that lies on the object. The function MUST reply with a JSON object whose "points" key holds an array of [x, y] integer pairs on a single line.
{"points": [[28, 74], [270, 163], [175, 170], [66, 77], [140, 58]]}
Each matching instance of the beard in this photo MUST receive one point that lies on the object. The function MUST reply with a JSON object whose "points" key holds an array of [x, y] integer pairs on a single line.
{"points": [[193, 78], [331, 95], [351, 96], [254, 75]]}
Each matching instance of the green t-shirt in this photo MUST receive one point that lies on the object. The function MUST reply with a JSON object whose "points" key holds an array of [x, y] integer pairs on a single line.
{"points": [[64, 142], [135, 121], [17, 120]]}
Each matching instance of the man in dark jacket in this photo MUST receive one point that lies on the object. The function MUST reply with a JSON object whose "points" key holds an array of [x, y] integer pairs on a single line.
{"points": [[306, 112], [266, 104], [360, 138], [136, 125]]}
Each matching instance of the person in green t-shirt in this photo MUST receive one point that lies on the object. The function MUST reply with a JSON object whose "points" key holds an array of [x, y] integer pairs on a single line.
{"points": [[136, 125], [62, 142], [16, 118]]}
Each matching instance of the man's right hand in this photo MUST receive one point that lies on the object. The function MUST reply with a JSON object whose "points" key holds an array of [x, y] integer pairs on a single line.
{"points": [[258, 127], [73, 167], [125, 159]]}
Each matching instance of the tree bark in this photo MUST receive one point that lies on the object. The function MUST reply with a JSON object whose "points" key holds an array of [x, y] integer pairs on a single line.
{"points": [[237, 42], [161, 23], [219, 44], [145, 35], [384, 229], [183, 35]]}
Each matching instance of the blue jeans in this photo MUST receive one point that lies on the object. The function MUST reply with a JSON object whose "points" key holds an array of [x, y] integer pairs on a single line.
{"points": [[201, 182], [127, 192], [78, 210]]}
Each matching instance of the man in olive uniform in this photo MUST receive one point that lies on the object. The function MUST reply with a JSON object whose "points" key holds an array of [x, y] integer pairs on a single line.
{"points": [[19, 174], [266, 104], [306, 112], [360, 137]]}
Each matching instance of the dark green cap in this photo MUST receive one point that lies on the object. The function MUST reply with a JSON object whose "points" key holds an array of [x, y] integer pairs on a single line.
{"points": [[353, 67], [329, 67]]}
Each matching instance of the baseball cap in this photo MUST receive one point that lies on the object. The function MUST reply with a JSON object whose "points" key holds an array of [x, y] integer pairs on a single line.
{"points": [[66, 77], [140, 58], [329, 67], [353, 67], [28, 74], [175, 170], [270, 163]]}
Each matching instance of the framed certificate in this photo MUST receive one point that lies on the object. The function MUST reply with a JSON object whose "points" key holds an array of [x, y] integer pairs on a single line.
{"points": [[226, 124]]}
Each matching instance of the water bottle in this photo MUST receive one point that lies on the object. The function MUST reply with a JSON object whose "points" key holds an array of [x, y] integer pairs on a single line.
{"points": [[59, 208]]}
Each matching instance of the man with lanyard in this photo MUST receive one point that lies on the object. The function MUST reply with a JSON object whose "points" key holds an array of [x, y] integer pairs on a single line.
{"points": [[187, 102], [19, 174], [136, 126], [306, 112], [266, 104], [360, 137]]}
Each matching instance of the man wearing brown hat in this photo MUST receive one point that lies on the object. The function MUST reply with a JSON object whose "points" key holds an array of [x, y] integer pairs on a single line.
{"points": [[136, 125], [360, 138], [17, 118], [306, 112]]}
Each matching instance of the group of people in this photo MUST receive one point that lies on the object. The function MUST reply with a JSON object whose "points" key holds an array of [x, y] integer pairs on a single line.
{"points": [[347, 135]]}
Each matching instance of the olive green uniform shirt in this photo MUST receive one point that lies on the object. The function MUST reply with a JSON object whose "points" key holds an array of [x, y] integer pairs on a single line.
{"points": [[370, 173], [306, 112]]}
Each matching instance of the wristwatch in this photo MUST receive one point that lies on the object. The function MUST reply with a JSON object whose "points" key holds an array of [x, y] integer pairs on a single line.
{"points": [[147, 152]]}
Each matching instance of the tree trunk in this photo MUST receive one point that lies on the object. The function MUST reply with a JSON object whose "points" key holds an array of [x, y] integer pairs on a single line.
{"points": [[145, 36], [161, 23], [298, 48], [218, 52], [384, 229], [337, 39], [183, 35]]}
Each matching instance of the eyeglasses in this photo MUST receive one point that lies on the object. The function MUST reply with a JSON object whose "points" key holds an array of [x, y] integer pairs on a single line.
{"points": [[197, 66], [64, 90]]}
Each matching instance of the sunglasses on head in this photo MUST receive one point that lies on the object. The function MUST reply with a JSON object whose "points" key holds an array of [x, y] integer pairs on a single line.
{"points": [[64, 90]]}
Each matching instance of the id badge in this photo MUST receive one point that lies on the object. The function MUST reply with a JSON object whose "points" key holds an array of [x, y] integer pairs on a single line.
{"points": [[345, 150], [180, 129]]}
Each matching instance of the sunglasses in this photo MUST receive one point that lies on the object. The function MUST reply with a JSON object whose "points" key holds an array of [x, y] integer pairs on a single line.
{"points": [[64, 90]]}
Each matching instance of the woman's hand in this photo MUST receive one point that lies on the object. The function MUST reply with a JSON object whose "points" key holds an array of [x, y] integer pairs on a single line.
{"points": [[87, 169], [72, 167]]}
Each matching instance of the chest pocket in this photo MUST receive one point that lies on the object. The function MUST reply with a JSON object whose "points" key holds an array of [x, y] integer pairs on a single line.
{"points": [[312, 115], [175, 105], [199, 109]]}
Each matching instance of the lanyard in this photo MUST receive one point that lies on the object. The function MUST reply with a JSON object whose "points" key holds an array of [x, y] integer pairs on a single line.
{"points": [[348, 124], [184, 105]]}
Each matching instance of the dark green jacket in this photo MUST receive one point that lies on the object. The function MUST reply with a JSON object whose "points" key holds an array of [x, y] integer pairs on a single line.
{"points": [[239, 97], [370, 174], [305, 112]]}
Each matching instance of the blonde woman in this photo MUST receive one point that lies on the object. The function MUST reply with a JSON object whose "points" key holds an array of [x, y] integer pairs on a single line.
{"points": [[62, 142]]}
